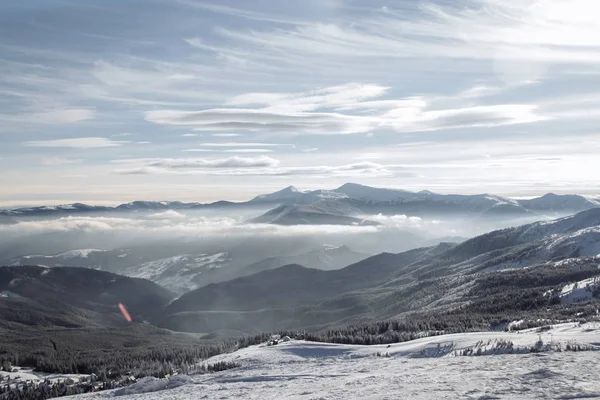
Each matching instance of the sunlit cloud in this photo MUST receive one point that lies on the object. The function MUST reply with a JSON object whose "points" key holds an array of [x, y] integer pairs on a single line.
{"points": [[59, 161], [80, 143]]}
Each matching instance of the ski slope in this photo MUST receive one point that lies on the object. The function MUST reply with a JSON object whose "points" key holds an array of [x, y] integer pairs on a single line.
{"points": [[427, 368]]}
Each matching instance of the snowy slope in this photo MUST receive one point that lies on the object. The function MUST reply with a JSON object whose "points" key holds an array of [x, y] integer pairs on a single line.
{"points": [[178, 273], [422, 369], [80, 253], [290, 193], [580, 291], [23, 375]]}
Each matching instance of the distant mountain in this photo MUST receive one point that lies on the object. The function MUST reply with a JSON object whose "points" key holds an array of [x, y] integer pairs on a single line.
{"points": [[291, 285], [135, 206], [554, 203], [290, 193], [326, 258], [357, 201], [323, 213], [181, 265], [371, 194], [388, 285]]}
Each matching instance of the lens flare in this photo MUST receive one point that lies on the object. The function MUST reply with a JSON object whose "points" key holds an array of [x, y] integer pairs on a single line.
{"points": [[124, 312]]}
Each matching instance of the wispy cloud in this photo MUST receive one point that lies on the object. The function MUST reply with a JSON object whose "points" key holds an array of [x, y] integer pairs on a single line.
{"points": [[248, 151], [80, 143], [300, 113], [476, 72], [64, 116], [59, 161], [256, 166], [246, 144], [165, 164], [226, 134]]}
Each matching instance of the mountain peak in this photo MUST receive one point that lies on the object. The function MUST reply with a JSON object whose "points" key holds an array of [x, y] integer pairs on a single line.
{"points": [[291, 189], [288, 193], [350, 185]]}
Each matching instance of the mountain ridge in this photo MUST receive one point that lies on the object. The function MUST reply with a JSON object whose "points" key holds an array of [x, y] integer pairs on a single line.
{"points": [[351, 193]]}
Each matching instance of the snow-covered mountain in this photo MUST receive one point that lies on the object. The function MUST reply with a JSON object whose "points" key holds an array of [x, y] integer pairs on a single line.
{"points": [[320, 213], [290, 193], [365, 199], [180, 273], [554, 203], [385, 285]]}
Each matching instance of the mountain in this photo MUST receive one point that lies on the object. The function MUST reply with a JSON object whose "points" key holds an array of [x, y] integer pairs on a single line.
{"points": [[358, 200], [388, 285], [554, 203], [326, 258], [323, 213], [290, 193], [371, 194], [135, 206], [180, 264], [68, 296]]}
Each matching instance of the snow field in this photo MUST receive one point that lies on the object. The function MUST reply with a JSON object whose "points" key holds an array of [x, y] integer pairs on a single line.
{"points": [[427, 368]]}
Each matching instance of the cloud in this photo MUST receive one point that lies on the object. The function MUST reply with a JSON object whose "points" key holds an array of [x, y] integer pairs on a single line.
{"points": [[263, 121], [542, 31], [190, 135], [59, 161], [159, 165], [226, 134], [248, 151], [242, 144], [80, 143], [200, 150], [310, 150], [313, 113], [192, 226], [256, 166], [169, 214], [477, 116], [64, 116]]}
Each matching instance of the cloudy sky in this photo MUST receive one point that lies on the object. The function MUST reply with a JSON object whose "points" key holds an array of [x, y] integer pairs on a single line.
{"points": [[115, 100]]}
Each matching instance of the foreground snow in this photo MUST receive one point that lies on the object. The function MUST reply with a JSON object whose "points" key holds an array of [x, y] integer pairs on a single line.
{"points": [[423, 369], [23, 375]]}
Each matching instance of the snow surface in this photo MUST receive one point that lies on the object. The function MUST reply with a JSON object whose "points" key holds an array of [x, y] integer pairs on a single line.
{"points": [[579, 291], [427, 368], [150, 384], [27, 374], [81, 253], [177, 272]]}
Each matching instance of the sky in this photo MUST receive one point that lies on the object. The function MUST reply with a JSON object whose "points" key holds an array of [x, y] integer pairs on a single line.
{"points": [[118, 100]]}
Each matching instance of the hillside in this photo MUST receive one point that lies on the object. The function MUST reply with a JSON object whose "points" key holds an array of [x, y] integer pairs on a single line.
{"points": [[75, 293], [388, 285], [326, 258]]}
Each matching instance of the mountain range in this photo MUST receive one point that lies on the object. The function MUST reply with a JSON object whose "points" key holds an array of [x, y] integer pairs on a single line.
{"points": [[526, 271], [350, 204], [181, 267], [391, 285]]}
